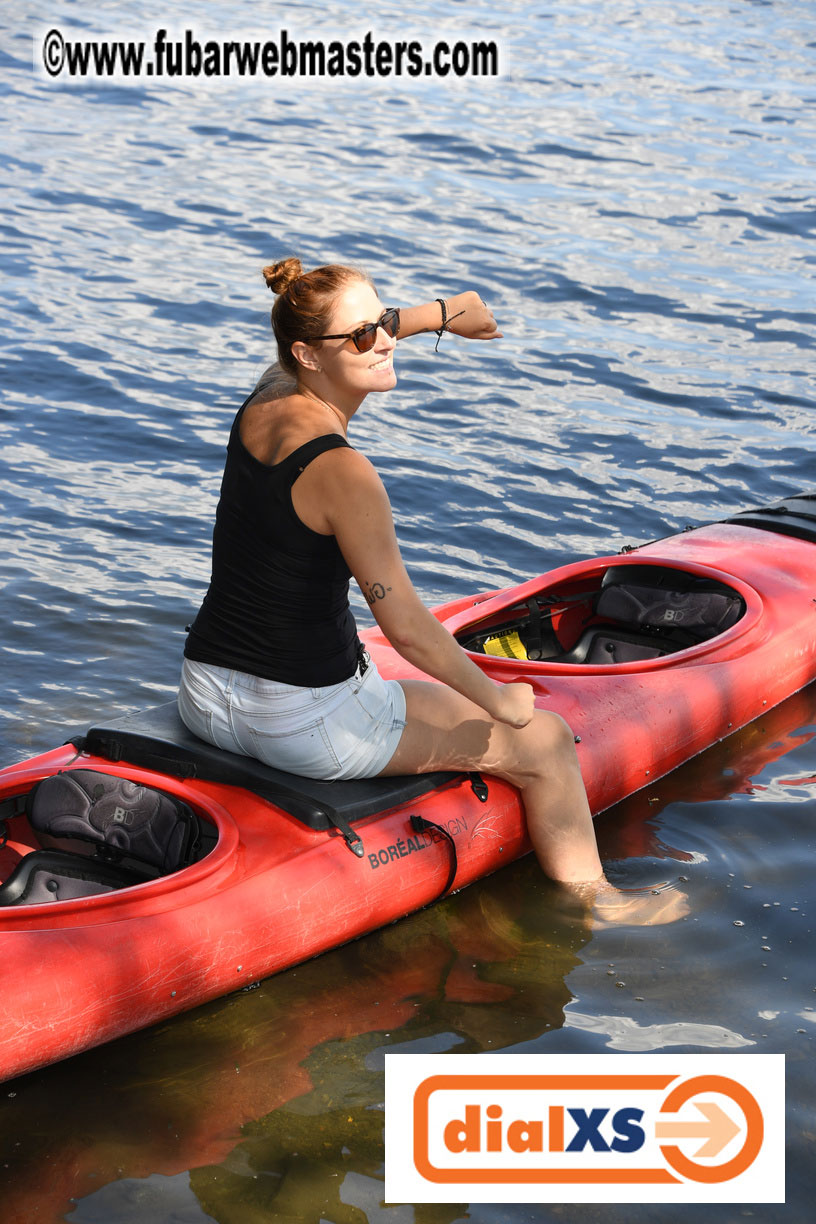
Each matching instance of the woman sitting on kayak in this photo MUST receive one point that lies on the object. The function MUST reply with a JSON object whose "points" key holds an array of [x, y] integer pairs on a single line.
{"points": [[273, 665]]}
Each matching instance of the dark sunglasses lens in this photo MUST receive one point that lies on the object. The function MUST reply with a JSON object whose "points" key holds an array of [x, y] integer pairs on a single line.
{"points": [[364, 337]]}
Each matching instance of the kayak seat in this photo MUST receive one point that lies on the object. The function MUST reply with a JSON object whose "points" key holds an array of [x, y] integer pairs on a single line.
{"points": [[157, 739], [646, 612], [60, 875], [98, 832], [605, 645]]}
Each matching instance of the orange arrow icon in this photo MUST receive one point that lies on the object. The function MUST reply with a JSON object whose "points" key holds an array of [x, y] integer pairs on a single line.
{"points": [[718, 1130]]}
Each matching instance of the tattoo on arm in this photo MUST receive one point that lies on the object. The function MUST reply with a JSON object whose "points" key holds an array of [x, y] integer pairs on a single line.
{"points": [[374, 591]]}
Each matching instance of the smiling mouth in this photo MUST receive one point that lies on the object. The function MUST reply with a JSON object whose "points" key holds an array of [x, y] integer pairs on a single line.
{"points": [[384, 364]]}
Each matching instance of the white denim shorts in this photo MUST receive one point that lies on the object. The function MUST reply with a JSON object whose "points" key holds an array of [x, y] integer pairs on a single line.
{"points": [[346, 730]]}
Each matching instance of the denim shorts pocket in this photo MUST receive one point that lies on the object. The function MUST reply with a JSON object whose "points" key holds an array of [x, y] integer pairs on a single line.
{"points": [[371, 697], [195, 715], [305, 750], [361, 722]]}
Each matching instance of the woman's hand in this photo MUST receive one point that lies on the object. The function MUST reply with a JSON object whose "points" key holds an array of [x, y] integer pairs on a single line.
{"points": [[468, 316], [514, 705]]}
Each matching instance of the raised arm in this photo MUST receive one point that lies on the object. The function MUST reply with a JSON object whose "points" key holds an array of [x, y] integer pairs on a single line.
{"points": [[465, 315], [359, 513]]}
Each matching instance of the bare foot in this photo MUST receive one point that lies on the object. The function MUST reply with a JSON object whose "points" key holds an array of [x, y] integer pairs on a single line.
{"points": [[607, 906]]}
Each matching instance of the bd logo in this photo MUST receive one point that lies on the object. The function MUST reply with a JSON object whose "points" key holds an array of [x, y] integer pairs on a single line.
{"points": [[585, 1128]]}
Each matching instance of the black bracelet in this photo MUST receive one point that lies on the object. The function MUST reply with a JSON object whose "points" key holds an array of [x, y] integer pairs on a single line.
{"points": [[445, 321], [443, 328]]}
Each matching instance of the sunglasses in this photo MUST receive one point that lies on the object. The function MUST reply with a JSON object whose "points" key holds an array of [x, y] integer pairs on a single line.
{"points": [[365, 336]]}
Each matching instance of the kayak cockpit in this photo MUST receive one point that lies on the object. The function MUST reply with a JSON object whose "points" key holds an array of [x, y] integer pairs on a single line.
{"points": [[82, 832], [616, 614]]}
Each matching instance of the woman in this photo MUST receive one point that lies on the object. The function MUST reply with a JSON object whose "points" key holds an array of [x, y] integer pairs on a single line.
{"points": [[273, 666]]}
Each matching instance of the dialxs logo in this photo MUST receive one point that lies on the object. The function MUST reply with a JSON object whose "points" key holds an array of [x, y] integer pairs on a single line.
{"points": [[641, 1128]]}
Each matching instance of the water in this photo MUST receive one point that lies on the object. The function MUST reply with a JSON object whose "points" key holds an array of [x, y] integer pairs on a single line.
{"points": [[634, 198]]}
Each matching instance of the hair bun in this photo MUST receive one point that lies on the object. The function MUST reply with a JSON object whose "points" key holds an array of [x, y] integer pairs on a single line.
{"points": [[279, 276]]}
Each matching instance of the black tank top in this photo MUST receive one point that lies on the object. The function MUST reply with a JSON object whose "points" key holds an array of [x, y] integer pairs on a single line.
{"points": [[277, 604]]}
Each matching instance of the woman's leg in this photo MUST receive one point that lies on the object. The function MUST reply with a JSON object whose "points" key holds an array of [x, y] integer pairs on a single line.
{"points": [[443, 730]]}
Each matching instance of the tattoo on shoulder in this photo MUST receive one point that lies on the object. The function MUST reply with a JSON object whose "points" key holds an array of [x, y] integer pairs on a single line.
{"points": [[374, 591]]}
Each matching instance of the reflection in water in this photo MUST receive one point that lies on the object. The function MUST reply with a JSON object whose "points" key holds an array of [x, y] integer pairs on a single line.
{"points": [[297, 1063], [627, 1035]]}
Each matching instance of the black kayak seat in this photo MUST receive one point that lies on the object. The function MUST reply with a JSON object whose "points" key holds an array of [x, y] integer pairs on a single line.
{"points": [[157, 739], [60, 875]]}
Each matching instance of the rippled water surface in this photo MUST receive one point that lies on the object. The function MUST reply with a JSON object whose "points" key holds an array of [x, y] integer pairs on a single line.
{"points": [[634, 196]]}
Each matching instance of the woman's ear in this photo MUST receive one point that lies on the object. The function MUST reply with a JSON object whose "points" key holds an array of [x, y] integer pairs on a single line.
{"points": [[306, 356]]}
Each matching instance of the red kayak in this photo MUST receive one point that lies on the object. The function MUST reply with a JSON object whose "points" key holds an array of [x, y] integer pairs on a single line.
{"points": [[650, 655]]}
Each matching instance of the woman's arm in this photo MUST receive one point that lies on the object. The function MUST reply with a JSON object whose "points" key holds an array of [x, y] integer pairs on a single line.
{"points": [[359, 513], [466, 315]]}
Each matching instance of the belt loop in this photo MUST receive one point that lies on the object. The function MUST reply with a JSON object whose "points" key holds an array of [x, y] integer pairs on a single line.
{"points": [[363, 659]]}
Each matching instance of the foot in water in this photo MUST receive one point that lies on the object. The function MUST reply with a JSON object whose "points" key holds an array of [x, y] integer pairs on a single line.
{"points": [[607, 906]]}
